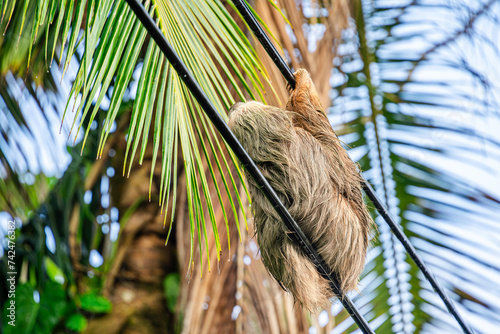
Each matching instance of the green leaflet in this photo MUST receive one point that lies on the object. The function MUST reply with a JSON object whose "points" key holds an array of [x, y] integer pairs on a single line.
{"points": [[216, 51], [122, 80], [116, 46]]}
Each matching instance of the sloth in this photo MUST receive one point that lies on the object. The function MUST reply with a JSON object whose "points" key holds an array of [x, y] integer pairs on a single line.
{"points": [[299, 153]]}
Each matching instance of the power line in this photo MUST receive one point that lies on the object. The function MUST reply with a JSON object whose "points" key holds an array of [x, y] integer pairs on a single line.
{"points": [[246, 161], [395, 228]]}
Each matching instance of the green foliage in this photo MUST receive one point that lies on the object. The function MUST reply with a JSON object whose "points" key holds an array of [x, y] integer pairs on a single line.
{"points": [[25, 310], [41, 311], [53, 306], [171, 286], [37, 316], [94, 303], [55, 273], [76, 322]]}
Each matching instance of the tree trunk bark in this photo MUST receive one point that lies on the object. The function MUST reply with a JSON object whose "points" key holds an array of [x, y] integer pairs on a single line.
{"points": [[134, 283]]}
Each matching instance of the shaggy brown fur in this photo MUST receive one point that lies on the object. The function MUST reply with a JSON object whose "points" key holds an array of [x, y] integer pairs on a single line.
{"points": [[300, 155]]}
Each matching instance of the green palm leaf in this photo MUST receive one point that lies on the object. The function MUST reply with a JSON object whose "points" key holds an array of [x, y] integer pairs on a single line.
{"points": [[215, 50]]}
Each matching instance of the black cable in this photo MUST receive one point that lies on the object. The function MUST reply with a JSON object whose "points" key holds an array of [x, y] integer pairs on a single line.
{"points": [[396, 229], [245, 159]]}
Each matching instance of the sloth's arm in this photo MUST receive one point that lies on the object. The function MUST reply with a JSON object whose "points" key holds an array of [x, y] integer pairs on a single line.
{"points": [[304, 98]]}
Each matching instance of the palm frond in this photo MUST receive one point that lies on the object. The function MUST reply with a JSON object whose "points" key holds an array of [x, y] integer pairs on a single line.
{"points": [[210, 43]]}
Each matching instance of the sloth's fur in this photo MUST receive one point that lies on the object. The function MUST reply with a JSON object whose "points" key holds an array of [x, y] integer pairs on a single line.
{"points": [[300, 155]]}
